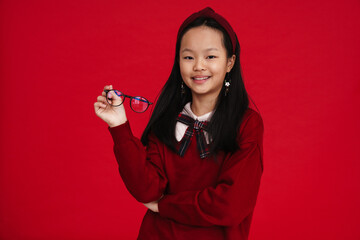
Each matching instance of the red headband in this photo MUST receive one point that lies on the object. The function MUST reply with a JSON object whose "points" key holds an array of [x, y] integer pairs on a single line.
{"points": [[208, 12]]}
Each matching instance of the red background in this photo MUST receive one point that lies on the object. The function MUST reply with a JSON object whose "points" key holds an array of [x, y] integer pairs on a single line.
{"points": [[58, 174]]}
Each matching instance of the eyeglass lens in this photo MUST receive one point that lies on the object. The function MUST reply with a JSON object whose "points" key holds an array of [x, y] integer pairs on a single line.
{"points": [[115, 97], [139, 104]]}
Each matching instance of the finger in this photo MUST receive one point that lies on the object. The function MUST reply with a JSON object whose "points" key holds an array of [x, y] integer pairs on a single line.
{"points": [[108, 87], [100, 105], [102, 99], [104, 93]]}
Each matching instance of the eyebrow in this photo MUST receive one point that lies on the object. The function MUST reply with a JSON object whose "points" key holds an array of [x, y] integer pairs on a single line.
{"points": [[208, 49]]}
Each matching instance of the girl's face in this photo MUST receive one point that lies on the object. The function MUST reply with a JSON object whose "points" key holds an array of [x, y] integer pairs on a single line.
{"points": [[203, 61]]}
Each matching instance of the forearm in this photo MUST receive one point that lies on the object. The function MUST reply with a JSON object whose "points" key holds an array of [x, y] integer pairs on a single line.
{"points": [[140, 171]]}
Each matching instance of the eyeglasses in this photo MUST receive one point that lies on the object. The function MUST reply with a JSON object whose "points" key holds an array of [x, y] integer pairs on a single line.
{"points": [[115, 98]]}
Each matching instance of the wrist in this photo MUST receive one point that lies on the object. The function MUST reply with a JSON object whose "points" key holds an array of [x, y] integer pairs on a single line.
{"points": [[112, 124]]}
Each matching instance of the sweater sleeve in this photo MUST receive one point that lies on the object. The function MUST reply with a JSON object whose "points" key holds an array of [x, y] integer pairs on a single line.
{"points": [[234, 197], [141, 169]]}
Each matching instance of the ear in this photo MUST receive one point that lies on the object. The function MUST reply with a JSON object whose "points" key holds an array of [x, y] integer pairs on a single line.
{"points": [[231, 62]]}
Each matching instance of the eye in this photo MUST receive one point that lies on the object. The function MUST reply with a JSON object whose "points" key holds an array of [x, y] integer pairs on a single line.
{"points": [[211, 57], [187, 57]]}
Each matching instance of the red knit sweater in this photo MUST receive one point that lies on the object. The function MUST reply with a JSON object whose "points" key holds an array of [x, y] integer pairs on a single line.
{"points": [[202, 199]]}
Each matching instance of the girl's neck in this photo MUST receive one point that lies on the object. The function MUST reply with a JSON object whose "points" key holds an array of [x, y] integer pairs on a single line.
{"points": [[200, 106]]}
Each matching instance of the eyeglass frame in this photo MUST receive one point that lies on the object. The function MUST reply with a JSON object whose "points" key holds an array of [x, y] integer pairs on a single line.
{"points": [[127, 96]]}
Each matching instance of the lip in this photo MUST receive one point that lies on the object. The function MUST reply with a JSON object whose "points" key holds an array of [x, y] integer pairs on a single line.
{"points": [[199, 76], [202, 80]]}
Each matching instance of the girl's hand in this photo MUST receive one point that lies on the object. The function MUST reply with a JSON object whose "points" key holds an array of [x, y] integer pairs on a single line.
{"points": [[113, 116], [153, 206]]}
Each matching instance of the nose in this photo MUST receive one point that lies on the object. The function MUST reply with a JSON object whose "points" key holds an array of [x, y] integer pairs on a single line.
{"points": [[199, 65]]}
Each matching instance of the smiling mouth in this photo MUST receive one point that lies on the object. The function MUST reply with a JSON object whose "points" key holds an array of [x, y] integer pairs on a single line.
{"points": [[199, 78]]}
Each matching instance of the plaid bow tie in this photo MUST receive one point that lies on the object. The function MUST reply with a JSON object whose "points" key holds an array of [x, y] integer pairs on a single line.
{"points": [[194, 127]]}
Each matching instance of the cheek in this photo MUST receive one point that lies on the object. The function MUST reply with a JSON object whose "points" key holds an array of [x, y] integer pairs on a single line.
{"points": [[184, 69], [218, 68], [182, 72]]}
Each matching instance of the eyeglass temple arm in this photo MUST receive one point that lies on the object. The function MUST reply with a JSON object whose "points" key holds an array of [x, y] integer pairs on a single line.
{"points": [[106, 91], [141, 100]]}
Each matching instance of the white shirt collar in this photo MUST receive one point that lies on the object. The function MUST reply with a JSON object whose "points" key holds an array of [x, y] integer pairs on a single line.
{"points": [[187, 110], [180, 128]]}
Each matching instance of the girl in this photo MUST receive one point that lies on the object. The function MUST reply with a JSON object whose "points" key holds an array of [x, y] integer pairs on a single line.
{"points": [[199, 175]]}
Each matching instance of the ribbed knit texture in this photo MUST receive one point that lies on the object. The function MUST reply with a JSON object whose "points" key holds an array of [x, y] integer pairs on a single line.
{"points": [[202, 199]]}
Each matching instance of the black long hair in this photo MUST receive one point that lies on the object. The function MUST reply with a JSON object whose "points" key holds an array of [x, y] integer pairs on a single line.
{"points": [[228, 112]]}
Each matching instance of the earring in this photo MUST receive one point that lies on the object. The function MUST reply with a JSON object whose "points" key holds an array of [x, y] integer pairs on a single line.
{"points": [[182, 88], [227, 83]]}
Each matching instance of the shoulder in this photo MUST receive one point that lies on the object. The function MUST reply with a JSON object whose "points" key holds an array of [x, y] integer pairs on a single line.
{"points": [[154, 140], [251, 128], [252, 116]]}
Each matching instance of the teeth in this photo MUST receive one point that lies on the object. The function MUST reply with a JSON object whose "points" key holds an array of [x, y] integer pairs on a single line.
{"points": [[203, 78]]}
